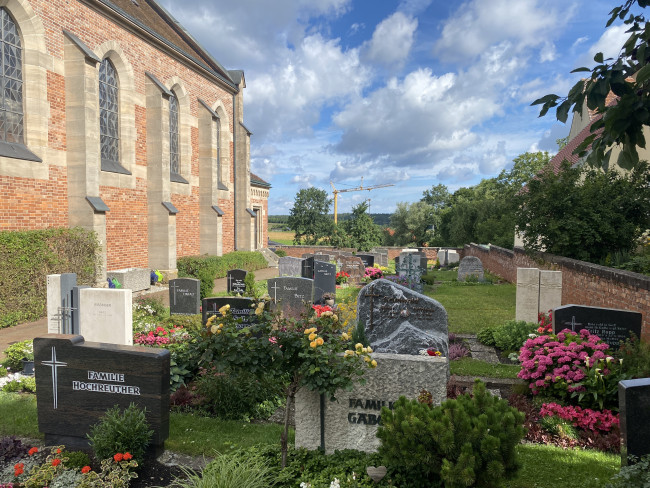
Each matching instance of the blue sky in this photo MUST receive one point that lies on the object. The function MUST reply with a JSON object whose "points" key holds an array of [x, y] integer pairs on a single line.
{"points": [[412, 92]]}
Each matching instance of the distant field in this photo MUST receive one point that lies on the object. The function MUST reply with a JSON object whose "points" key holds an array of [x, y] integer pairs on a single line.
{"points": [[281, 237]]}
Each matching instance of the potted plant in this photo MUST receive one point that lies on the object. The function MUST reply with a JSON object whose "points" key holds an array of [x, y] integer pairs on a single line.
{"points": [[328, 298]]}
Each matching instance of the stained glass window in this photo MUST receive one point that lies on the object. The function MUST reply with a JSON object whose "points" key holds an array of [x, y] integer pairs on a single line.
{"points": [[174, 156], [109, 133], [218, 129], [11, 77]]}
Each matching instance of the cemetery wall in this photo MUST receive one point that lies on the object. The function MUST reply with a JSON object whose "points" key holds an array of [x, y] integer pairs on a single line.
{"points": [[582, 283], [35, 195]]}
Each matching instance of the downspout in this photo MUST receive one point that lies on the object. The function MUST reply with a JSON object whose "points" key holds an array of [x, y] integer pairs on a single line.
{"points": [[234, 165]]}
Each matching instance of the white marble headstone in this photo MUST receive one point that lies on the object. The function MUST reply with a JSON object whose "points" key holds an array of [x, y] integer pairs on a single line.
{"points": [[106, 315], [527, 301]]}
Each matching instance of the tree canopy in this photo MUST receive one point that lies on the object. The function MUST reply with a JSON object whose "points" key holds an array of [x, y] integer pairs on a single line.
{"points": [[361, 231], [309, 218]]}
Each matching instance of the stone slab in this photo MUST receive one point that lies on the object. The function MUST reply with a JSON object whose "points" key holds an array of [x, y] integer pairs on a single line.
{"points": [[289, 266], [550, 290], [527, 299], [351, 421], [184, 296], [353, 266], [324, 280], [134, 279], [308, 268], [470, 266], [634, 407], [106, 315], [367, 259]]}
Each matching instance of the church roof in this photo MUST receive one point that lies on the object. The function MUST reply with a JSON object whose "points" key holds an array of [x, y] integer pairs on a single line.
{"points": [[154, 19], [257, 181]]}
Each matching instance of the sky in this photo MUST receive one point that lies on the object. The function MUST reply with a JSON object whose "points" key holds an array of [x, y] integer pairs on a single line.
{"points": [[412, 93]]}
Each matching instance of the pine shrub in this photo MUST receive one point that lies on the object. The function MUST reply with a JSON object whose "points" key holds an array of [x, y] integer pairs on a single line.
{"points": [[469, 441]]}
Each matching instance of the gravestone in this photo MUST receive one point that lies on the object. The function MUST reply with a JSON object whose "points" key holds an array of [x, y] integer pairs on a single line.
{"points": [[307, 255], [612, 325], [351, 420], [442, 257], [527, 298], [424, 261], [367, 259], [322, 257], [106, 315], [60, 307], [242, 309], [78, 381], [381, 256], [308, 268], [184, 296], [550, 290], [75, 309], [409, 268], [235, 281], [353, 266], [401, 321], [324, 280], [291, 295], [396, 263], [452, 257], [470, 266], [634, 406], [289, 266]]}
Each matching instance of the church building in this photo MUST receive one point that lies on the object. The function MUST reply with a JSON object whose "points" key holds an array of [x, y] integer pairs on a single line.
{"points": [[115, 119]]}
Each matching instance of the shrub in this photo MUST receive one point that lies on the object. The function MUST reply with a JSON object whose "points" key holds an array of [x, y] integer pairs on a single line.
{"points": [[16, 353], [26, 384], [469, 441], [12, 449], [118, 431], [486, 336], [457, 350], [77, 459], [635, 475], [512, 334], [249, 281], [281, 253]]}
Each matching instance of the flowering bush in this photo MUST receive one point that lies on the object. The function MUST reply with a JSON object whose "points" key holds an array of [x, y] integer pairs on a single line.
{"points": [[545, 321], [160, 336], [373, 273], [342, 277], [570, 364], [585, 419]]}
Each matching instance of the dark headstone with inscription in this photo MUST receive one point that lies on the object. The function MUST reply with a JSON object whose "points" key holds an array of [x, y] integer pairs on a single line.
{"points": [[77, 382], [634, 406], [470, 266], [235, 281], [611, 325], [401, 321], [288, 266], [368, 260], [308, 268], [184, 296], [353, 266], [291, 295], [324, 280], [241, 308]]}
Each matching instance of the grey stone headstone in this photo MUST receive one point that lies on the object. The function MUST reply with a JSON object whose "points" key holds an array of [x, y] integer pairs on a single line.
{"points": [[289, 266], [75, 309], [470, 266], [59, 303], [410, 269], [382, 253], [401, 321], [634, 407], [184, 296], [368, 259], [442, 257], [324, 280], [235, 281], [353, 266], [308, 268], [612, 325], [242, 309], [291, 295], [452, 257]]}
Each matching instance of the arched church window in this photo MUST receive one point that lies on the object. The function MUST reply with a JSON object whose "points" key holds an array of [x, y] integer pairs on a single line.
{"points": [[174, 149], [11, 111], [109, 132]]}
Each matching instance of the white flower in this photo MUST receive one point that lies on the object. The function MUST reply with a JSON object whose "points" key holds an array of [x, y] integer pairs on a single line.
{"points": [[335, 483], [532, 336]]}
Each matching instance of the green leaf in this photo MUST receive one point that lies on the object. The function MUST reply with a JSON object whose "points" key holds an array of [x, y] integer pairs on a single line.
{"points": [[545, 99], [581, 70], [563, 111], [643, 74], [598, 57]]}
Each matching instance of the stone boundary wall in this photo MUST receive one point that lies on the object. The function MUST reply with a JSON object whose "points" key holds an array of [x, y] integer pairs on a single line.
{"points": [[298, 251], [582, 283]]}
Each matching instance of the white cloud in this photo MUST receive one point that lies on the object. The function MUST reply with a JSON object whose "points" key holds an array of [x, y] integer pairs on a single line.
{"points": [[547, 52], [392, 40], [303, 180], [610, 44], [494, 160], [479, 24]]}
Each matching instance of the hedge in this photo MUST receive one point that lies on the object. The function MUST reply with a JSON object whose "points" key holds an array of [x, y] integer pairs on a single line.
{"points": [[27, 258], [208, 268]]}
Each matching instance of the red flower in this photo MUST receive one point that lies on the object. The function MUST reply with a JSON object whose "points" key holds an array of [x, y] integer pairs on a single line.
{"points": [[127, 456], [56, 462], [58, 451], [85, 469], [33, 451], [19, 469], [118, 457]]}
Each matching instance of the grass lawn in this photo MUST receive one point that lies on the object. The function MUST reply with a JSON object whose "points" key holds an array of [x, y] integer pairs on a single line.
{"points": [[474, 367]]}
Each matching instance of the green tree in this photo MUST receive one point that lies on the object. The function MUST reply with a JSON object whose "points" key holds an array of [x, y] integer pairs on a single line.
{"points": [[361, 231], [627, 77], [411, 224], [584, 214], [309, 218]]}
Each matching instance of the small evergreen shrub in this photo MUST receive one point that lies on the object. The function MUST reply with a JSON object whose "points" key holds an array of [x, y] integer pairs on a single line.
{"points": [[469, 441], [118, 431], [512, 334], [249, 281], [486, 336], [77, 459], [281, 253]]}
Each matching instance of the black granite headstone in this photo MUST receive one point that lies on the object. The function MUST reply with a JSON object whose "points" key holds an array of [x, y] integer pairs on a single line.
{"points": [[291, 295], [235, 281], [324, 280], [367, 259], [242, 309], [612, 325], [184, 296], [634, 407], [308, 268], [77, 382]]}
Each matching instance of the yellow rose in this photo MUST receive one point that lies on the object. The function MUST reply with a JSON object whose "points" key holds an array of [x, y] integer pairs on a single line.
{"points": [[307, 331], [369, 349], [345, 336], [358, 345], [320, 341], [224, 309], [210, 320], [335, 317], [373, 364], [214, 329], [312, 344], [312, 336], [219, 331], [348, 353], [366, 359]]}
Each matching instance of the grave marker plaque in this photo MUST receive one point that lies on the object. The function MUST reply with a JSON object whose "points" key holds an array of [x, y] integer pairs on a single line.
{"points": [[367, 259], [612, 325], [78, 381], [288, 266], [106, 315], [324, 280], [634, 405], [242, 309], [290, 294], [235, 281], [184, 296], [308, 268]]}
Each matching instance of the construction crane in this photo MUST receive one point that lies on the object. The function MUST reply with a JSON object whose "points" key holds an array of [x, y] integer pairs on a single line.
{"points": [[358, 188]]}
